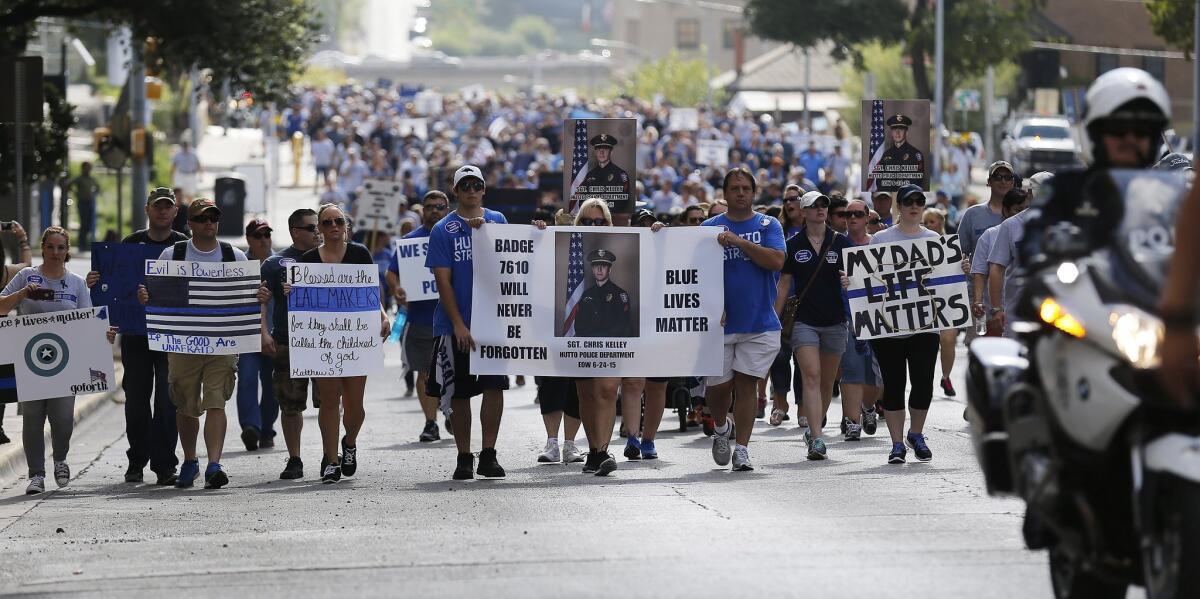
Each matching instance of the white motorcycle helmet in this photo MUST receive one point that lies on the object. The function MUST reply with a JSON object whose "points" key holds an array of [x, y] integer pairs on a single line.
{"points": [[1125, 94]]}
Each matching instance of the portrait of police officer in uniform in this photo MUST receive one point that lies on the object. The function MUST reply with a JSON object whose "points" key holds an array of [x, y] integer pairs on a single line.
{"points": [[604, 308], [900, 152], [606, 173]]}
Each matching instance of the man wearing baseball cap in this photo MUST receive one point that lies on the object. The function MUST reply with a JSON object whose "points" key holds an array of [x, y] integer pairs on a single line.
{"points": [[449, 379], [257, 419], [981, 217], [200, 384], [149, 414]]}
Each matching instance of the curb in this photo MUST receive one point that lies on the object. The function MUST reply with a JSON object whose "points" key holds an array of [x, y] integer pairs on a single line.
{"points": [[12, 455]]}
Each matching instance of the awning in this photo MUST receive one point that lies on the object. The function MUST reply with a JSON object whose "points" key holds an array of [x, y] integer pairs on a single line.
{"points": [[764, 101]]}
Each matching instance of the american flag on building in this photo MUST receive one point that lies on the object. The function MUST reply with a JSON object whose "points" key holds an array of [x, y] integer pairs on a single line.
{"points": [[574, 283], [877, 142], [579, 161]]}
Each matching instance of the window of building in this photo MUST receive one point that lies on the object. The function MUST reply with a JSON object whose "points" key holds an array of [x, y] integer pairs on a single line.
{"points": [[687, 34], [728, 28], [1106, 63], [1156, 66]]}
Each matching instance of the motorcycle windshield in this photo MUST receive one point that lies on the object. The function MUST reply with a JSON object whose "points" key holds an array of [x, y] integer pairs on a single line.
{"points": [[1145, 239]]}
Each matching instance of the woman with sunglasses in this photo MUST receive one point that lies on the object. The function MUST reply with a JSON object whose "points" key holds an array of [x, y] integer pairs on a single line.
{"points": [[812, 271], [344, 392], [49, 287], [862, 382], [912, 356]]}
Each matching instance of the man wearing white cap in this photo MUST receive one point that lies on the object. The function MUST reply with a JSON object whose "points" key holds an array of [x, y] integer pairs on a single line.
{"points": [[451, 260]]}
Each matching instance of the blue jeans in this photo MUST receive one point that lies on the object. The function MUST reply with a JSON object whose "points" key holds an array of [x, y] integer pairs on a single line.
{"points": [[255, 370]]}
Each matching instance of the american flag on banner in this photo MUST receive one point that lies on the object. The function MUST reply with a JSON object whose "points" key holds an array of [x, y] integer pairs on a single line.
{"points": [[877, 142], [208, 313], [579, 161], [574, 283]]}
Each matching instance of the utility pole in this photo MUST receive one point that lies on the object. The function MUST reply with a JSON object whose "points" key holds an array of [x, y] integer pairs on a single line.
{"points": [[139, 173], [807, 72], [939, 38], [1196, 80], [989, 106]]}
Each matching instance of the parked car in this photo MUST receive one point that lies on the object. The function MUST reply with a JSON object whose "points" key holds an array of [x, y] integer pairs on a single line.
{"points": [[1035, 144]]}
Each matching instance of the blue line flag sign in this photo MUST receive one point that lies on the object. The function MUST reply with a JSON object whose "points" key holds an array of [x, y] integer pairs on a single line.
{"points": [[206, 308]]}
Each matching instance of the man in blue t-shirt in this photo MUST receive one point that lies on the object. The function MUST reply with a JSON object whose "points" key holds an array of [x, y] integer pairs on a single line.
{"points": [[451, 260], [292, 394], [418, 336], [754, 254]]}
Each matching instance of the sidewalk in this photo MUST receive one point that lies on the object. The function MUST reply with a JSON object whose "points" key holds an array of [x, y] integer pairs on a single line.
{"points": [[12, 455]]}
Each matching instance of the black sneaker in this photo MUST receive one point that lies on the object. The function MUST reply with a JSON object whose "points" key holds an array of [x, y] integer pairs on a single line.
{"points": [[293, 470], [430, 434], [633, 449], [449, 427], [466, 467], [133, 474], [166, 479], [488, 466], [266, 443], [897, 454], [592, 463], [331, 472], [607, 464], [250, 438], [349, 459], [870, 421]]}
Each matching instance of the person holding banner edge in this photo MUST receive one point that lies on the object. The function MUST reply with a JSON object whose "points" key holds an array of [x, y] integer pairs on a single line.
{"points": [[150, 419], [418, 335], [754, 255], [256, 370], [291, 394], [200, 384], [340, 396], [818, 337], [451, 259], [49, 287], [7, 272]]}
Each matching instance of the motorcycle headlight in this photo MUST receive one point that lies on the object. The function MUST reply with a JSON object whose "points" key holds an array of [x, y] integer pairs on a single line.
{"points": [[1137, 335]]}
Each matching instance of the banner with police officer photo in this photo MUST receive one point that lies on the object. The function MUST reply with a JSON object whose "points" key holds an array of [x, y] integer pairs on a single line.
{"points": [[597, 301], [895, 144], [602, 155]]}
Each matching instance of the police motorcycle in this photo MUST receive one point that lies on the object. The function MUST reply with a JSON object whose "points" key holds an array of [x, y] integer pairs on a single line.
{"points": [[1070, 416]]}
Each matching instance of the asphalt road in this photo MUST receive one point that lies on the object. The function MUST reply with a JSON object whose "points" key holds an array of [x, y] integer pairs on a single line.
{"points": [[676, 527]]}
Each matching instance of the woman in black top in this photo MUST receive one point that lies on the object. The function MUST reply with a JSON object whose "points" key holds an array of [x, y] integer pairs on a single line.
{"points": [[345, 391]]}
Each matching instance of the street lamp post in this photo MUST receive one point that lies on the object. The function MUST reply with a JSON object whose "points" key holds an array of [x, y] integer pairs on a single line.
{"points": [[937, 92]]}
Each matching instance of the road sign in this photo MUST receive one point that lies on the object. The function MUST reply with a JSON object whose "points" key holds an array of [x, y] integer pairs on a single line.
{"points": [[967, 99]]}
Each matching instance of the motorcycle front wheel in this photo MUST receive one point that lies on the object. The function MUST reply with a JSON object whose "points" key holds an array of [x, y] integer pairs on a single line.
{"points": [[1170, 556], [1072, 581]]}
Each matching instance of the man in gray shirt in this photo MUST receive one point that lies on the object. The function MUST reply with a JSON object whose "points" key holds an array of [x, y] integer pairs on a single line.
{"points": [[1003, 257], [981, 217]]}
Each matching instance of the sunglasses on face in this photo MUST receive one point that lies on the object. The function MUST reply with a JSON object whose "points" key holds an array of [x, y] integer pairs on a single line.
{"points": [[1123, 129], [205, 219], [309, 228], [471, 186], [913, 201], [437, 207], [853, 214], [874, 221], [593, 222], [266, 235], [1003, 178], [331, 222]]}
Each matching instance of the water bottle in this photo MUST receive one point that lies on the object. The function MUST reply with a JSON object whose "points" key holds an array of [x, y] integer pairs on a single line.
{"points": [[981, 326], [398, 326]]}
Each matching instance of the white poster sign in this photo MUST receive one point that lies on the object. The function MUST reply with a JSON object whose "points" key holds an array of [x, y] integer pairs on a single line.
{"points": [[684, 119], [428, 102], [907, 287], [333, 320], [418, 127], [205, 308], [597, 301], [378, 207], [416, 280], [55, 354], [712, 152]]}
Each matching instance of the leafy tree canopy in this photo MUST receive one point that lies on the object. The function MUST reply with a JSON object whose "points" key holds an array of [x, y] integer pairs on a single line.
{"points": [[682, 82], [1172, 20]]}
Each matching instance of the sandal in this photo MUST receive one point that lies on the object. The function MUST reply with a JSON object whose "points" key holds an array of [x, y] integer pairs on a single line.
{"points": [[777, 416]]}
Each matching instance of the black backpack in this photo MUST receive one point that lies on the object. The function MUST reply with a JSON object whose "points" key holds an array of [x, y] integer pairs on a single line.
{"points": [[179, 252]]}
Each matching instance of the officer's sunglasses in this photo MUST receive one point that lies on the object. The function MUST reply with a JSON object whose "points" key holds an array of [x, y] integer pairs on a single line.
{"points": [[1120, 129], [593, 222]]}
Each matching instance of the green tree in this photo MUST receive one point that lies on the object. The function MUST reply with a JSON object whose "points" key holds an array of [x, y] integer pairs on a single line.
{"points": [[1173, 20], [680, 81], [892, 79], [979, 33]]}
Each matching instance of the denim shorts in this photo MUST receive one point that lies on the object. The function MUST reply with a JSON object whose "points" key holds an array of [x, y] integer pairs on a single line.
{"points": [[830, 339], [860, 368]]}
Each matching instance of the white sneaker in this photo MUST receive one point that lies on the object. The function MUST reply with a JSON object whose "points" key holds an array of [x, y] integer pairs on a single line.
{"points": [[802, 422], [570, 453], [720, 448], [853, 432], [37, 484], [741, 459], [551, 454], [62, 473]]}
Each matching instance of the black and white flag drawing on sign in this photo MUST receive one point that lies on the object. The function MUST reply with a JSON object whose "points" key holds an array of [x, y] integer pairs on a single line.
{"points": [[203, 307]]}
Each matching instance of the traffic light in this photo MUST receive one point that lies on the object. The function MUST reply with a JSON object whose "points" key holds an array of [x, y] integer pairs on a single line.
{"points": [[107, 148]]}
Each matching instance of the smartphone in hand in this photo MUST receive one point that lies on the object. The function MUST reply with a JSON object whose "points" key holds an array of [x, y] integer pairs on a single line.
{"points": [[41, 294], [6, 225]]}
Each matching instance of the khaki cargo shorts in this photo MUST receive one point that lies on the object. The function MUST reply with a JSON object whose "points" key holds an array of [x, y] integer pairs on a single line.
{"points": [[200, 383]]}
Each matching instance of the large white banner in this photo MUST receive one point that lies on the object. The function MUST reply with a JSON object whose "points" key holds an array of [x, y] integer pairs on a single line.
{"points": [[333, 320], [416, 280], [907, 287], [206, 308], [55, 354], [597, 301]]}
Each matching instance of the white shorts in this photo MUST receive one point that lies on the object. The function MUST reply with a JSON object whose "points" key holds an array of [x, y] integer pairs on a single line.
{"points": [[748, 353]]}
